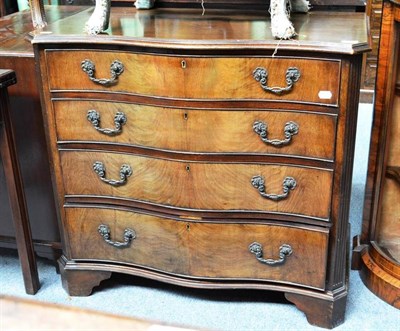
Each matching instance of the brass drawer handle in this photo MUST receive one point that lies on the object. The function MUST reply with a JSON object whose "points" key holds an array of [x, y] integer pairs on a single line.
{"points": [[284, 251], [93, 117], [129, 235], [289, 183], [124, 173], [261, 128], [116, 69], [260, 74]]}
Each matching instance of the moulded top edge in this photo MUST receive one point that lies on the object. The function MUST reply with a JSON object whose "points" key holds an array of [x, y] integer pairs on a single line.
{"points": [[333, 32]]}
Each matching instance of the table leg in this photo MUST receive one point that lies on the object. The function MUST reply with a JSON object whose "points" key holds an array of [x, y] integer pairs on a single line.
{"points": [[15, 189]]}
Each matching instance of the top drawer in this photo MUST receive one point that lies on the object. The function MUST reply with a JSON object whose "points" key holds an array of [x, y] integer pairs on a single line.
{"points": [[196, 77]]}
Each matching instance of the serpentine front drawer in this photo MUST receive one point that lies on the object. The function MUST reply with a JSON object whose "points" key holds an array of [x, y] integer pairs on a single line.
{"points": [[272, 188], [199, 151], [225, 78], [293, 133], [208, 250]]}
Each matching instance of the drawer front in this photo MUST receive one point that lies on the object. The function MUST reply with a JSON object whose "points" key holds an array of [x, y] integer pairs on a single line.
{"points": [[194, 77], [159, 243], [286, 254], [200, 185], [204, 250], [213, 131]]}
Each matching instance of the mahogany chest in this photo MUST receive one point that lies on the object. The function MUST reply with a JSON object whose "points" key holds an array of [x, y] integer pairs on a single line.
{"points": [[197, 150]]}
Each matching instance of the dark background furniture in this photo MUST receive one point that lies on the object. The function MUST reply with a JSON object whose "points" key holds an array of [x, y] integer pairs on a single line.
{"points": [[8, 7], [16, 53], [15, 189]]}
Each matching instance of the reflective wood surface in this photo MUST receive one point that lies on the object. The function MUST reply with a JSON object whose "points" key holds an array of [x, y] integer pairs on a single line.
{"points": [[223, 29]]}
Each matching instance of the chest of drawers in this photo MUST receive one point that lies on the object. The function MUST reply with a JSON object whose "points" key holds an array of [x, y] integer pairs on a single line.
{"points": [[186, 151]]}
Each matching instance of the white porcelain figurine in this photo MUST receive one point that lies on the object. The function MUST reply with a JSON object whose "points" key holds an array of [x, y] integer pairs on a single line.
{"points": [[99, 20], [281, 26]]}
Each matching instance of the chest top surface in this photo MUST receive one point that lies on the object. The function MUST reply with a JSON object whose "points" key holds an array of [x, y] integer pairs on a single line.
{"points": [[333, 32]]}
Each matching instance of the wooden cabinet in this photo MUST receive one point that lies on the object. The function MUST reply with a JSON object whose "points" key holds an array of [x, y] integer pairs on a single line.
{"points": [[377, 250], [16, 53], [204, 159], [15, 187]]}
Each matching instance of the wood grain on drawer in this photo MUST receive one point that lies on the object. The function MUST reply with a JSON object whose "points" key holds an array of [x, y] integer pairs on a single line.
{"points": [[199, 185], [196, 77], [158, 243], [207, 131], [222, 251], [200, 249]]}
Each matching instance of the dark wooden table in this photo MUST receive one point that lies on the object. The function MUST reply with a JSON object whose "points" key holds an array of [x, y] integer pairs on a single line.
{"points": [[15, 187], [16, 53]]}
